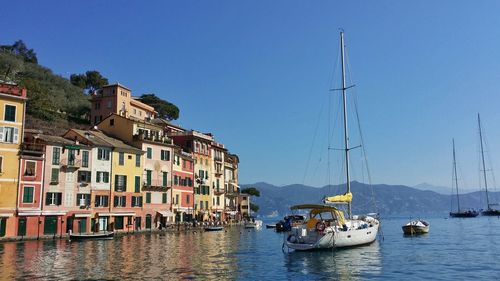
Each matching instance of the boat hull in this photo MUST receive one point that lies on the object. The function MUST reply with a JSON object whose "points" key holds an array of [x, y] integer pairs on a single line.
{"points": [[214, 228], [333, 237], [414, 230], [254, 224], [468, 214], [491, 212], [91, 236]]}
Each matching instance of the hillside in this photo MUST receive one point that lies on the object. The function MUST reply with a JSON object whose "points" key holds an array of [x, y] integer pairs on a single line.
{"points": [[390, 200], [54, 104]]}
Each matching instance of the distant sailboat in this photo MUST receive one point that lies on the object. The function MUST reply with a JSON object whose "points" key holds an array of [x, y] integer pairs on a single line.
{"points": [[489, 210], [469, 213]]}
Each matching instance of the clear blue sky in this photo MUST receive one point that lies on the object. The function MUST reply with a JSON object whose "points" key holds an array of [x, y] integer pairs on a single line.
{"points": [[257, 74]]}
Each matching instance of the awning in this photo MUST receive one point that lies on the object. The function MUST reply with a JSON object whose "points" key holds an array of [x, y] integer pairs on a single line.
{"points": [[52, 213], [234, 184], [87, 215], [166, 213], [347, 197], [6, 215], [26, 214]]}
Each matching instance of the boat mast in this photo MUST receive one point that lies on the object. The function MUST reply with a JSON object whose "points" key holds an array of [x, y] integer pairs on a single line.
{"points": [[482, 158], [455, 171], [346, 135]]}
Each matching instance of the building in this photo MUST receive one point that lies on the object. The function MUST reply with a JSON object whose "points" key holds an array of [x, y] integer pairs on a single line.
{"points": [[118, 99], [157, 168], [183, 185], [12, 108], [231, 187], [218, 188]]}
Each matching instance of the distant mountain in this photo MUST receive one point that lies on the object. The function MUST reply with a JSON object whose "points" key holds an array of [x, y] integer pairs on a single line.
{"points": [[437, 189], [390, 200]]}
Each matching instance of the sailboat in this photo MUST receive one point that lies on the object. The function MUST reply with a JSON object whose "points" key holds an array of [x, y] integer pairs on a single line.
{"points": [[326, 226], [469, 213], [489, 210]]}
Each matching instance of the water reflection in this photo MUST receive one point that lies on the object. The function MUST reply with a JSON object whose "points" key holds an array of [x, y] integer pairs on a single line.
{"points": [[342, 264]]}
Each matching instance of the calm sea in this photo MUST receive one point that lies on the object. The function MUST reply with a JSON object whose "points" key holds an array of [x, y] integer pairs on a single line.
{"points": [[455, 249]]}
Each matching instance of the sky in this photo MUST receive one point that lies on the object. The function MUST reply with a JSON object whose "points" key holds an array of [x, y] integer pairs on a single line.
{"points": [[257, 75]]}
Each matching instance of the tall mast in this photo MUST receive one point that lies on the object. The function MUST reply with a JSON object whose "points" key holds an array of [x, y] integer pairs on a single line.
{"points": [[455, 172], [346, 135], [482, 158]]}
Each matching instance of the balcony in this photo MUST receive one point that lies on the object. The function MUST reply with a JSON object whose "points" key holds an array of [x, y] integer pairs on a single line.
{"points": [[152, 138], [218, 158], [218, 191], [71, 163], [33, 149], [230, 192], [156, 185]]}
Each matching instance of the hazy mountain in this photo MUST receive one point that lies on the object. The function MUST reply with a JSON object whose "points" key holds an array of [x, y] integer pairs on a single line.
{"points": [[390, 200]]}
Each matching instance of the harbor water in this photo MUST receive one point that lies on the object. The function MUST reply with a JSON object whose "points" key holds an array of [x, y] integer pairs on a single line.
{"points": [[460, 249]]}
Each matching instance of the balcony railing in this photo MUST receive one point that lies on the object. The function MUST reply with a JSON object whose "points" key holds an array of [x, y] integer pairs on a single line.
{"points": [[156, 185], [71, 163], [218, 191], [218, 158], [152, 138]]}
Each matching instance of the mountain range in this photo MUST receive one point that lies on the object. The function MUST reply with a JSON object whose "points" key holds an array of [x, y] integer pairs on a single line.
{"points": [[387, 200]]}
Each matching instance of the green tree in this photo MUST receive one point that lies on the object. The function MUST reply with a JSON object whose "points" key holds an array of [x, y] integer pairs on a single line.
{"points": [[165, 109], [252, 191], [90, 81], [254, 207], [20, 49]]}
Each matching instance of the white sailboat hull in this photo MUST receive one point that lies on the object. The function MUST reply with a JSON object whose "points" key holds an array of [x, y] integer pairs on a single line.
{"points": [[359, 232]]}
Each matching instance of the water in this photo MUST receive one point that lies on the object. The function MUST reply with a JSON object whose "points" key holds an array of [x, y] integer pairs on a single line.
{"points": [[460, 249]]}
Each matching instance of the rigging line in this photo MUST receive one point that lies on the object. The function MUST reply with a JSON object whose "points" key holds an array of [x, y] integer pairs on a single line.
{"points": [[361, 135], [312, 144], [488, 154]]}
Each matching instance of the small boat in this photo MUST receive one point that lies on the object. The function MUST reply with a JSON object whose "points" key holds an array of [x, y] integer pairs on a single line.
{"points": [[270, 225], [460, 213], [253, 224], [416, 227], [214, 228], [88, 236]]}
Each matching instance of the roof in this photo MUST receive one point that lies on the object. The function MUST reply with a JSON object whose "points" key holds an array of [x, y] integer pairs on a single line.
{"points": [[116, 143], [314, 206], [55, 139], [116, 84], [94, 140]]}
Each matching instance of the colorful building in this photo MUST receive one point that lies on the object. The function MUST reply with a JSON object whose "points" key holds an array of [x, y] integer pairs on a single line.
{"points": [[118, 99], [12, 108], [157, 168], [231, 187], [183, 184], [218, 188]]}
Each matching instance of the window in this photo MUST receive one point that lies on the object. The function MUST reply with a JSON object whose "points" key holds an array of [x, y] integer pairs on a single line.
{"points": [[97, 105], [165, 155], [28, 194], [218, 200], [137, 160], [102, 177], [120, 183], [136, 201], [177, 199], [82, 199], [10, 113], [206, 205], [112, 122], [110, 104], [118, 222], [30, 169], [101, 201], [188, 198], [9, 134], [121, 158], [120, 201], [164, 198], [183, 164], [148, 197], [71, 157], [148, 177], [84, 176], [137, 184], [201, 205], [54, 177], [165, 179], [1, 164], [85, 159], [149, 153], [103, 154], [53, 198]]}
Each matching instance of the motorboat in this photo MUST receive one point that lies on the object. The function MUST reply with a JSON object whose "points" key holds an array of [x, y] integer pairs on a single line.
{"points": [[93, 235], [415, 227]]}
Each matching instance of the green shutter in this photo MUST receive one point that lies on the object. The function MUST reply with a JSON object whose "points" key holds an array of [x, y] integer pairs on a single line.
{"points": [[3, 224], [164, 198], [28, 194], [148, 177], [165, 178], [137, 184], [149, 153], [55, 175], [137, 160], [21, 227], [148, 197]]}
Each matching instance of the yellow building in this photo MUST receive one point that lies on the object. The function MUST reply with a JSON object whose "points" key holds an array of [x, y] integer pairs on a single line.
{"points": [[12, 108]]}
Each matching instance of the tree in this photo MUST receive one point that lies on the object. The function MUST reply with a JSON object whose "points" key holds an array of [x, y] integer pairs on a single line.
{"points": [[90, 81], [20, 49], [254, 207], [165, 109], [252, 191]]}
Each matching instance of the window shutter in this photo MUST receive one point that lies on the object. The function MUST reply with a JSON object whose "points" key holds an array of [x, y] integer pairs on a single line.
{"points": [[96, 203], [16, 135], [58, 198], [140, 201], [47, 199], [1, 134], [133, 201], [115, 201], [98, 177], [124, 201], [105, 201]]}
